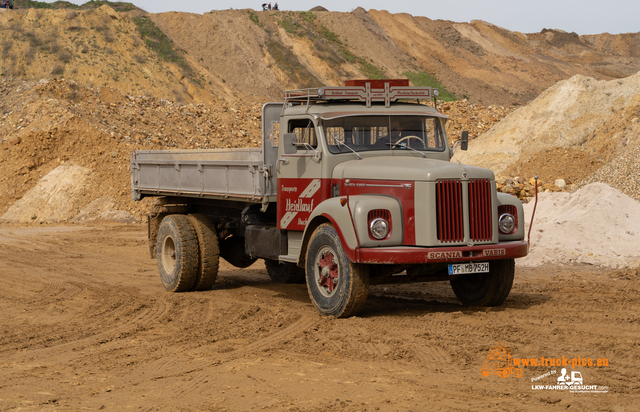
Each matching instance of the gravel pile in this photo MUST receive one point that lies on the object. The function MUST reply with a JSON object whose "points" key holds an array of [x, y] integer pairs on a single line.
{"points": [[134, 120], [623, 173], [474, 118]]}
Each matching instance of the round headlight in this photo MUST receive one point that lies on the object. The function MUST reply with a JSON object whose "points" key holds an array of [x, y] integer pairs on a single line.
{"points": [[379, 228], [506, 223]]}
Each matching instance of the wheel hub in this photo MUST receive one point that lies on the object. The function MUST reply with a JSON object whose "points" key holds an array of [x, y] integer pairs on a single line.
{"points": [[328, 273], [168, 254]]}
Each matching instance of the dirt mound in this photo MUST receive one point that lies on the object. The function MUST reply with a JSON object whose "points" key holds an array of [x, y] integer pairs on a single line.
{"points": [[58, 197], [597, 225], [571, 130], [571, 164], [50, 123], [54, 199]]}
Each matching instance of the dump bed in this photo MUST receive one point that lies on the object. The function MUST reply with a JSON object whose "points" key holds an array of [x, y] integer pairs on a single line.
{"points": [[234, 174]]}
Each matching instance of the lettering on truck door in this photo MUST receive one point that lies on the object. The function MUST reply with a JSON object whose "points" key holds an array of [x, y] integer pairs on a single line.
{"points": [[296, 200], [300, 186]]}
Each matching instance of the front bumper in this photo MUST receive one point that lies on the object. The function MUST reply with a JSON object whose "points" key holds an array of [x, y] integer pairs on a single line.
{"points": [[405, 255]]}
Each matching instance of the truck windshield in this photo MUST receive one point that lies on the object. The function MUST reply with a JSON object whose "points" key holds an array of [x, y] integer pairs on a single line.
{"points": [[366, 133]]}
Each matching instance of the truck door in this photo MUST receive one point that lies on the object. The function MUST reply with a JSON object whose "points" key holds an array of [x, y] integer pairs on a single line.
{"points": [[270, 132], [300, 184]]}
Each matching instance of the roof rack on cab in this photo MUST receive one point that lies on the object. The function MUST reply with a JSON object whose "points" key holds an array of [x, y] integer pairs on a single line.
{"points": [[385, 90]]}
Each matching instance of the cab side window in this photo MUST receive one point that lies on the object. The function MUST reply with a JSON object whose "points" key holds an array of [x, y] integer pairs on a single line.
{"points": [[305, 131]]}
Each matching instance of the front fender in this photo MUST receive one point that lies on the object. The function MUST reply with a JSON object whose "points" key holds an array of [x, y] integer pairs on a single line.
{"points": [[331, 210]]}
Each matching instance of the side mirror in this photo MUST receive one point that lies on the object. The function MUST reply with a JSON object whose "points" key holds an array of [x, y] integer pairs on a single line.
{"points": [[289, 142], [464, 140]]}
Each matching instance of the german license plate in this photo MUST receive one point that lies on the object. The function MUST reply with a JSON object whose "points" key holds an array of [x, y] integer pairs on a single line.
{"points": [[472, 267]]}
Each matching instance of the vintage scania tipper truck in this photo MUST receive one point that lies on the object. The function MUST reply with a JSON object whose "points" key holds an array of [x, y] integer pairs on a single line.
{"points": [[353, 186]]}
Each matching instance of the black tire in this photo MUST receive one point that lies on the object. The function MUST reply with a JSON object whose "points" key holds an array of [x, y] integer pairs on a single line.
{"points": [[284, 272], [337, 287], [177, 253], [209, 252], [486, 289], [232, 250]]}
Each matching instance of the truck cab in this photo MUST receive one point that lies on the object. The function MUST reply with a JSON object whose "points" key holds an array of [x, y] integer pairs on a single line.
{"points": [[356, 188]]}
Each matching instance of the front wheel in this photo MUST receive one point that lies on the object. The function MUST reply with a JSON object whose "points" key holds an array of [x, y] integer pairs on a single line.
{"points": [[336, 286], [486, 289]]}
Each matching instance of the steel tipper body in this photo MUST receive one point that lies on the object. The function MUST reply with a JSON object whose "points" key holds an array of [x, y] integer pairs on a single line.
{"points": [[352, 187]]}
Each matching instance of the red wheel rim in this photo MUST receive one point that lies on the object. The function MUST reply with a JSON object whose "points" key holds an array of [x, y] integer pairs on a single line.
{"points": [[327, 271]]}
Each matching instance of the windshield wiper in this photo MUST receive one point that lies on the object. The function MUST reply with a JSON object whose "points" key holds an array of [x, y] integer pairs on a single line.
{"points": [[339, 143], [406, 147]]}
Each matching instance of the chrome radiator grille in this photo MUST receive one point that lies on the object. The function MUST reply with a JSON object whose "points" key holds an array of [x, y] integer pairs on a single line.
{"points": [[449, 210]]}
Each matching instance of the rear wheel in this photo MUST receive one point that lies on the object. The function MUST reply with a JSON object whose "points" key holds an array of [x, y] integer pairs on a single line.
{"points": [[486, 289], [284, 272], [209, 252], [336, 286], [177, 253]]}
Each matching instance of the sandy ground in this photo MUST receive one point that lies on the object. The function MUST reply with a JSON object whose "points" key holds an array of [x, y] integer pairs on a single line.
{"points": [[86, 325]]}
